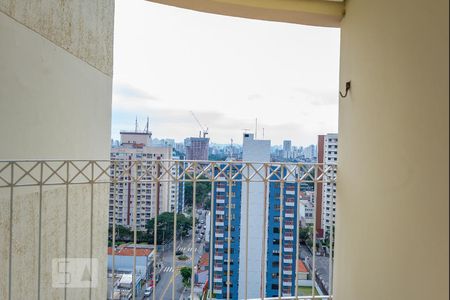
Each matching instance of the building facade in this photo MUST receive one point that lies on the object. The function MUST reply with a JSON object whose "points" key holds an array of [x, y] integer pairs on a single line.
{"points": [[135, 157], [328, 192], [196, 148], [272, 247]]}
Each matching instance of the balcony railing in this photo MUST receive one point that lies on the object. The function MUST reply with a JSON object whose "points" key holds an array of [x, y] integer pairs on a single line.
{"points": [[114, 179]]}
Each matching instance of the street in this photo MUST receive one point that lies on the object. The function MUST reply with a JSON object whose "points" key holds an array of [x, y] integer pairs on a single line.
{"points": [[164, 288], [322, 265]]}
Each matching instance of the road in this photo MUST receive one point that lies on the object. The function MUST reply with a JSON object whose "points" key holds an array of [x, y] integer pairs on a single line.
{"points": [[164, 288], [322, 265]]}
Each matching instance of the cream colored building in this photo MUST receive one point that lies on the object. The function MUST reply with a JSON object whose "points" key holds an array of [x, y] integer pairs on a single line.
{"points": [[136, 156], [330, 157]]}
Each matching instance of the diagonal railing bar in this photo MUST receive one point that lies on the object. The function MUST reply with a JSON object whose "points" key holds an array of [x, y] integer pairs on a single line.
{"points": [[8, 164], [307, 176], [55, 172], [221, 176], [147, 172], [203, 171], [275, 172], [320, 173], [27, 173], [238, 172], [290, 173], [80, 171], [166, 171], [127, 166], [187, 172], [103, 171], [257, 171]]}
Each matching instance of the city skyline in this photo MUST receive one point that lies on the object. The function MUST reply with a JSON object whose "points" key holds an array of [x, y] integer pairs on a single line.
{"points": [[229, 71]]}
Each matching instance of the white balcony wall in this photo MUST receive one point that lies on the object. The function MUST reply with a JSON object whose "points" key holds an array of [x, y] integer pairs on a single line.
{"points": [[55, 103], [392, 190]]}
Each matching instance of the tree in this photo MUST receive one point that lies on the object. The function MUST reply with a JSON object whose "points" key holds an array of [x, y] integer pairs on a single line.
{"points": [[304, 234], [186, 274], [165, 227], [202, 195]]}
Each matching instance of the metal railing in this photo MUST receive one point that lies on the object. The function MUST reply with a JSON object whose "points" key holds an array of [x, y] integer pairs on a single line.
{"points": [[152, 187]]}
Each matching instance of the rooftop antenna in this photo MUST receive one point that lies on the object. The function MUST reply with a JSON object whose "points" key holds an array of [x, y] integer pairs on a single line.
{"points": [[231, 149], [146, 126]]}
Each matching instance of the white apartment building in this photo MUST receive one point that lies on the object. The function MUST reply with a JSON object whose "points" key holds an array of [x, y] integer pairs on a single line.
{"points": [[330, 156], [137, 147], [306, 209], [254, 151]]}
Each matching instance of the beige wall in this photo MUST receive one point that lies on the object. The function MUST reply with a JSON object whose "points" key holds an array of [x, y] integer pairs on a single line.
{"points": [[55, 103], [392, 208]]}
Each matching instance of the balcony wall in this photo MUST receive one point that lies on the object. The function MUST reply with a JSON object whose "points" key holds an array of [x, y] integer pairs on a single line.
{"points": [[55, 103], [392, 214]]}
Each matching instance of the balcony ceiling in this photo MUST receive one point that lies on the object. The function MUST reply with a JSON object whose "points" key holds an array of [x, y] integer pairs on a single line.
{"points": [[326, 13]]}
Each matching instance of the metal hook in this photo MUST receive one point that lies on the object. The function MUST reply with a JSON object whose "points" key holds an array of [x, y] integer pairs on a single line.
{"points": [[348, 85]]}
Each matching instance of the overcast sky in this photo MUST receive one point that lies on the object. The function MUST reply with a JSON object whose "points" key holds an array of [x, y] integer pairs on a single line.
{"points": [[229, 71]]}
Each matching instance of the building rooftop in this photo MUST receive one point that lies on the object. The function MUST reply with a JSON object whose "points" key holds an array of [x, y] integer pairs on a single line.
{"points": [[204, 260], [301, 268], [129, 251]]}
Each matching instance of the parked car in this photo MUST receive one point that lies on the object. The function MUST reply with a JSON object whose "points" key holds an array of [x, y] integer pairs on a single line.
{"points": [[199, 240], [148, 291]]}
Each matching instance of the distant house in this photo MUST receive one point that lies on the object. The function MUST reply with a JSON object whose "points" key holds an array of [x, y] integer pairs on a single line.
{"points": [[201, 283], [302, 270], [123, 259], [203, 262]]}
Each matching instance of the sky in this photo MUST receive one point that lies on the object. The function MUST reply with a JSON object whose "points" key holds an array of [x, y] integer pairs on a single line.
{"points": [[229, 71]]}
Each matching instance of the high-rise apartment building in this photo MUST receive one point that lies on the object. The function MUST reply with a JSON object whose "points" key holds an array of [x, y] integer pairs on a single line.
{"points": [[318, 204], [264, 207], [287, 145], [136, 157], [310, 153], [196, 148], [328, 192], [287, 149]]}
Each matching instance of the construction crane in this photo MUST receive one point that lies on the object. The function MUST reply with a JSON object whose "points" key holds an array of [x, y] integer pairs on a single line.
{"points": [[204, 131]]}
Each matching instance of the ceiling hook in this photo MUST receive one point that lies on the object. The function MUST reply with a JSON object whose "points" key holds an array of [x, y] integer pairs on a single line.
{"points": [[348, 85]]}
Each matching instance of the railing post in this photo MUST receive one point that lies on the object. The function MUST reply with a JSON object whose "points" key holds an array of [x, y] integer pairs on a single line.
{"points": [[297, 227], [155, 227], [230, 185], [113, 243], [194, 212], [175, 212], [246, 226], [264, 229], [330, 268], [316, 173], [211, 218], [135, 208], [280, 266]]}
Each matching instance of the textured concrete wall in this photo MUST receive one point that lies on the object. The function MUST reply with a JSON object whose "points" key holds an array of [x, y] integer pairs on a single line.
{"points": [[392, 199], [82, 27], [55, 103]]}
